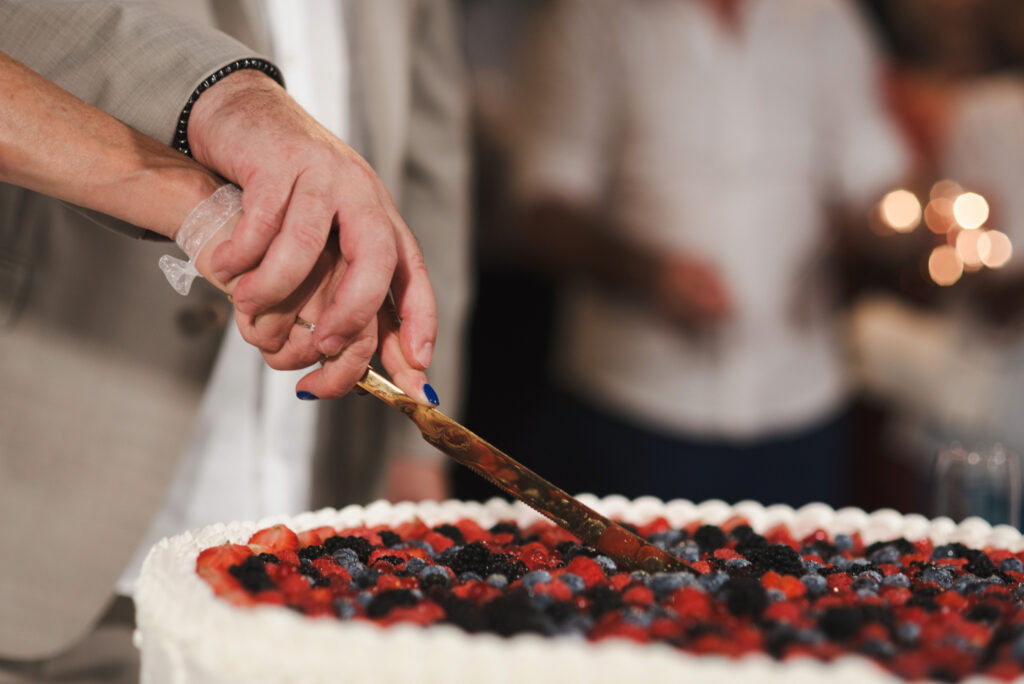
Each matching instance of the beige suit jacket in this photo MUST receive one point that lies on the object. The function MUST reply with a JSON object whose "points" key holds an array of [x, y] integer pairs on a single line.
{"points": [[101, 364]]}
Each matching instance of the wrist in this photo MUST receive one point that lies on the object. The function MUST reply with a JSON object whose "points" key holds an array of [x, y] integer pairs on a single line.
{"points": [[224, 91]]}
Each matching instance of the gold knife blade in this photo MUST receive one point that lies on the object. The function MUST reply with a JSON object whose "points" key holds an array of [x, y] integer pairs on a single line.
{"points": [[466, 448]]}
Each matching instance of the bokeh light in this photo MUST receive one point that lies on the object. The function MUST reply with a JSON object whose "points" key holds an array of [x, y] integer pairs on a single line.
{"points": [[901, 210], [944, 265], [945, 189], [938, 215], [994, 248], [970, 210], [967, 248]]}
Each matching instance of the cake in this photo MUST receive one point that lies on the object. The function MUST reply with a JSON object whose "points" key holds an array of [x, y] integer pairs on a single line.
{"points": [[186, 633]]}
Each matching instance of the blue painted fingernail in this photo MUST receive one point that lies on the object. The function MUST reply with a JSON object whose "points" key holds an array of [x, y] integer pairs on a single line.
{"points": [[431, 395], [306, 396]]}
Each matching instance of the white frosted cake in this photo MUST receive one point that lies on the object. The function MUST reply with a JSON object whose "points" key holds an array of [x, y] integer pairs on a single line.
{"points": [[188, 634]]}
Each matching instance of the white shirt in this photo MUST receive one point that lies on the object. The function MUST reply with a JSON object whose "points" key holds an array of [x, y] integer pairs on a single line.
{"points": [[725, 147]]}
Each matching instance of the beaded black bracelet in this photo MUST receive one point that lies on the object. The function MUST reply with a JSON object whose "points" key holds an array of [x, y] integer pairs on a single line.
{"points": [[181, 134]]}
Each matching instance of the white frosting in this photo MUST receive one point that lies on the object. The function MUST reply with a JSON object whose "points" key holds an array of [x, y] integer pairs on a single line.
{"points": [[186, 634]]}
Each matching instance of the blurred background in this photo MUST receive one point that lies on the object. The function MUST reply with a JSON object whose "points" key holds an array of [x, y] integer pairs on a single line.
{"points": [[868, 156]]}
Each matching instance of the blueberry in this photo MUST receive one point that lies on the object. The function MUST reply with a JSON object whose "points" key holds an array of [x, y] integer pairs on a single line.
{"points": [[944, 551], [843, 542], [469, 576], [344, 556], [414, 565], [908, 632], [639, 576], [688, 552], [666, 539], [995, 581], [434, 574], [344, 609], [816, 584], [607, 564], [449, 553], [496, 580], [1018, 592], [881, 649], [774, 595], [576, 624], [812, 566], [810, 636], [664, 583], [713, 581], [420, 544], [896, 580], [841, 562], [1011, 565], [968, 584], [886, 554], [958, 642], [1018, 647], [870, 584], [938, 575], [638, 616], [736, 563], [573, 581], [531, 579], [859, 563], [364, 598], [540, 601], [872, 574]]}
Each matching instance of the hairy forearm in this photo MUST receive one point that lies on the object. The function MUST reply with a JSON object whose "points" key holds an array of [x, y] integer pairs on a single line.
{"points": [[56, 144]]}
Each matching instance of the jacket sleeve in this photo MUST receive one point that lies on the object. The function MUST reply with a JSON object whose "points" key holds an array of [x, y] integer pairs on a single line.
{"points": [[435, 201], [132, 60]]}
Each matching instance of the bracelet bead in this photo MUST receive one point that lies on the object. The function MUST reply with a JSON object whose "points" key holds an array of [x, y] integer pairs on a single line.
{"points": [[181, 132]]}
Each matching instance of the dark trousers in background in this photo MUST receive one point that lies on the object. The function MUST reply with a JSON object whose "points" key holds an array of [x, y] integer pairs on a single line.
{"points": [[583, 449]]}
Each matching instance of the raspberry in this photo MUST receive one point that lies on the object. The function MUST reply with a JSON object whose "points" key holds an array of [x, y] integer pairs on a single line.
{"points": [[590, 571]]}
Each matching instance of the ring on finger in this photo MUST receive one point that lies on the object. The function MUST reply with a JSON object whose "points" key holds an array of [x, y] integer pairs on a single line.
{"points": [[305, 324]]}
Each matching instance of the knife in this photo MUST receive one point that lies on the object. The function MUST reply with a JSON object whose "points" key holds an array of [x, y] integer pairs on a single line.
{"points": [[629, 550]]}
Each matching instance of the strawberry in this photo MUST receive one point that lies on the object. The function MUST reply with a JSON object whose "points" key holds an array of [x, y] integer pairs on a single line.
{"points": [[274, 539]]}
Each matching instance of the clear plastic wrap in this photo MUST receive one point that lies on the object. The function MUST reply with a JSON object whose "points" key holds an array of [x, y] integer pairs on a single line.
{"points": [[202, 223]]}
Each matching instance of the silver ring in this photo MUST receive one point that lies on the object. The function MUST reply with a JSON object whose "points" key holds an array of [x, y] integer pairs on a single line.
{"points": [[305, 324]]}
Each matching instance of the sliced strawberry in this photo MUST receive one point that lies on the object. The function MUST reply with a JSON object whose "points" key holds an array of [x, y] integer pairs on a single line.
{"points": [[274, 539]]}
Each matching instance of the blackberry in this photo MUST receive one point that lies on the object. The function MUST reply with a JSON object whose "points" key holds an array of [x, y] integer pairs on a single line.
{"points": [[569, 550], [384, 602], [312, 552], [778, 557], [839, 624], [452, 532], [746, 538], [777, 636], [984, 612], [396, 561], [463, 613], [470, 558], [313, 575], [709, 538], [269, 558], [602, 599], [362, 547], [506, 564], [389, 538], [981, 565], [513, 613], [745, 596], [506, 528], [252, 575], [902, 546]]}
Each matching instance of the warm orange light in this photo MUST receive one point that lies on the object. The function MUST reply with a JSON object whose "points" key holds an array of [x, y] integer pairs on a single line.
{"points": [[970, 210], [901, 210], [944, 265], [967, 248], [945, 189], [994, 248], [938, 215]]}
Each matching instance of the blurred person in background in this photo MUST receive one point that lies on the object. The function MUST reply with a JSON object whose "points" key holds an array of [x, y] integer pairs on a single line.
{"points": [[681, 162]]}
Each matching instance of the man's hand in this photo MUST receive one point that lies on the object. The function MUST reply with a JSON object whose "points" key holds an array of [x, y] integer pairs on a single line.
{"points": [[690, 292], [299, 181]]}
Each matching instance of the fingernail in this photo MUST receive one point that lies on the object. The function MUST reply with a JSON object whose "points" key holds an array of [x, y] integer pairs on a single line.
{"points": [[426, 354], [306, 396], [431, 395], [332, 346]]}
